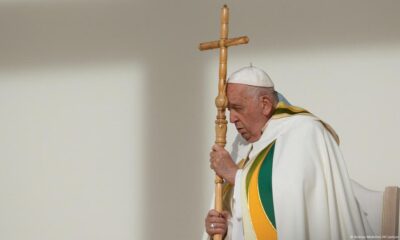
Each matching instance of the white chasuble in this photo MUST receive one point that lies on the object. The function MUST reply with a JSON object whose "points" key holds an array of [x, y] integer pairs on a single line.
{"points": [[295, 184]]}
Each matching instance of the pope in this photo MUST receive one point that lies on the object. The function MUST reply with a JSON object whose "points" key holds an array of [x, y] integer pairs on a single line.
{"points": [[285, 177]]}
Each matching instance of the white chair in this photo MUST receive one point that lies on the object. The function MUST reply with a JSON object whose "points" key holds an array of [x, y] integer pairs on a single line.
{"points": [[381, 209]]}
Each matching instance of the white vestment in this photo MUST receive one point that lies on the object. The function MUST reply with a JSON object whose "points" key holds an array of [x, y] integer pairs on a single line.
{"points": [[312, 194]]}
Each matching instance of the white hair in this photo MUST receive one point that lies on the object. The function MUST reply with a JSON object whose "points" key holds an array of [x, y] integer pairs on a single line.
{"points": [[257, 92]]}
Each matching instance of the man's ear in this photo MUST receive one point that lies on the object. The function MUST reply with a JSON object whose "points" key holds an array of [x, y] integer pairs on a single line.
{"points": [[266, 106]]}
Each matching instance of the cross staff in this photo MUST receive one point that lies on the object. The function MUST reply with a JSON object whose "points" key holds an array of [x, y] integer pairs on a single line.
{"points": [[221, 101]]}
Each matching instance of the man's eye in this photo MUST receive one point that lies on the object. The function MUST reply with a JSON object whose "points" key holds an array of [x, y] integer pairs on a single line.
{"points": [[237, 109]]}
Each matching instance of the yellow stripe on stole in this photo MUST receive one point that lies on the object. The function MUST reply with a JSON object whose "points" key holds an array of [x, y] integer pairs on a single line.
{"points": [[263, 227]]}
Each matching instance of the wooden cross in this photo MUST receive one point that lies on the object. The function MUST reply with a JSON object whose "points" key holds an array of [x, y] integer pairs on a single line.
{"points": [[221, 102]]}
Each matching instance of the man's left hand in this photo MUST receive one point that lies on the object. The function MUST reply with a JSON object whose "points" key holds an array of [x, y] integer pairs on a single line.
{"points": [[221, 162]]}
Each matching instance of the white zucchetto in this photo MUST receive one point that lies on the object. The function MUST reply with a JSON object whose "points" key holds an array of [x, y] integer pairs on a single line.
{"points": [[252, 76]]}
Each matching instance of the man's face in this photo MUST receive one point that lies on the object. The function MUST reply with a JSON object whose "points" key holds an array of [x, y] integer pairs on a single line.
{"points": [[246, 111]]}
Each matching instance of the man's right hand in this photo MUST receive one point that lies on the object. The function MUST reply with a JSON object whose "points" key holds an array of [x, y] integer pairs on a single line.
{"points": [[223, 165], [216, 223]]}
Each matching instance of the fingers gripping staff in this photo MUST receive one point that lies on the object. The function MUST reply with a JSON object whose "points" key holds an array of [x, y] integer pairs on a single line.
{"points": [[223, 165], [221, 101], [216, 223]]}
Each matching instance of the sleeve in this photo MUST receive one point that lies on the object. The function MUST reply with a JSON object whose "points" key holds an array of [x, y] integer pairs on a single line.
{"points": [[237, 210], [235, 223]]}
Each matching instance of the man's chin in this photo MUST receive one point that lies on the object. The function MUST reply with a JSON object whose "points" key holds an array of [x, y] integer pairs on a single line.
{"points": [[247, 137], [244, 136]]}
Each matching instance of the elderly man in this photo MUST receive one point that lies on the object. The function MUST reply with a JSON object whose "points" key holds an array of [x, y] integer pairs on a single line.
{"points": [[285, 177]]}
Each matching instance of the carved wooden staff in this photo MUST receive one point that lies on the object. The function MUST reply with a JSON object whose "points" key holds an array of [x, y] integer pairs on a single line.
{"points": [[221, 101]]}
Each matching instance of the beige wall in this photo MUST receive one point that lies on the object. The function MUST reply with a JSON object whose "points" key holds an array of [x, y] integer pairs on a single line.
{"points": [[107, 113]]}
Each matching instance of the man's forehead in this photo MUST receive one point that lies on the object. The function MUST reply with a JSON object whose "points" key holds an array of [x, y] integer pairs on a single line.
{"points": [[236, 88], [236, 93]]}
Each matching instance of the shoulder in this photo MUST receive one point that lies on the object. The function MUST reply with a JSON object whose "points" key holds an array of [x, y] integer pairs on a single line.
{"points": [[303, 124], [301, 148], [304, 134]]}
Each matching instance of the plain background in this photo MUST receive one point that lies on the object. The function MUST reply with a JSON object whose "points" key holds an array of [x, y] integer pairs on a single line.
{"points": [[107, 107]]}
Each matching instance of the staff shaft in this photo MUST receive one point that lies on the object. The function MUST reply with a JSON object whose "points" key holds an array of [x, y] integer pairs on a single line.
{"points": [[221, 101]]}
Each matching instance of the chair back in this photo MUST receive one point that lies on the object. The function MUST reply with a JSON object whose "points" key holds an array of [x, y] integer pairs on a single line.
{"points": [[380, 209], [370, 203], [390, 214]]}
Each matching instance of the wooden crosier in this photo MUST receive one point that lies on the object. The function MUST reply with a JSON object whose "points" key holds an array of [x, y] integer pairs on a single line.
{"points": [[221, 100]]}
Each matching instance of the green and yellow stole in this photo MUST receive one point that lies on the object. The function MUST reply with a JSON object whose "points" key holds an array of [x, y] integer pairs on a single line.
{"points": [[259, 194]]}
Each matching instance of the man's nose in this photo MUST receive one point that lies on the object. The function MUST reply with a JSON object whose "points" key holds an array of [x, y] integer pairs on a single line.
{"points": [[232, 117]]}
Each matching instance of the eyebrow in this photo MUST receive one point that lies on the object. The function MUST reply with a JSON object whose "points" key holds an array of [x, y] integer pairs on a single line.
{"points": [[230, 105]]}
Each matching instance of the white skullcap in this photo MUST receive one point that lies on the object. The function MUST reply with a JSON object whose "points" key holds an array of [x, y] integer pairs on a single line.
{"points": [[252, 76]]}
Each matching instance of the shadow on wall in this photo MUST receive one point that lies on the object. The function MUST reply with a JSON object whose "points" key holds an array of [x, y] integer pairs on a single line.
{"points": [[38, 34], [163, 35], [49, 35]]}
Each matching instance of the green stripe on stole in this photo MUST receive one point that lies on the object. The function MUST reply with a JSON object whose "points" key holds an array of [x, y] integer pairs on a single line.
{"points": [[265, 185]]}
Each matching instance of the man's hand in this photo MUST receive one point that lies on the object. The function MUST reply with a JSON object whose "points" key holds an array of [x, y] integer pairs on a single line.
{"points": [[216, 223], [221, 162]]}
